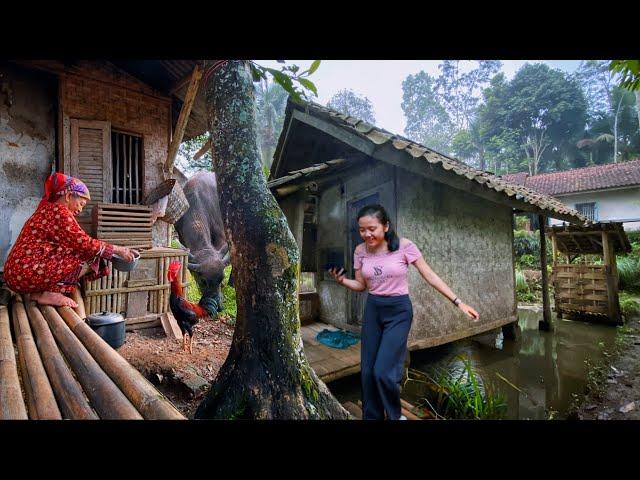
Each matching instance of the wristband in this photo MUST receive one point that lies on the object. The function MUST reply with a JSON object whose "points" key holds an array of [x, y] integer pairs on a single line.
{"points": [[456, 301]]}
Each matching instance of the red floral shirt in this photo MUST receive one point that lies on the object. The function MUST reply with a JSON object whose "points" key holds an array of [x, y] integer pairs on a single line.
{"points": [[49, 252]]}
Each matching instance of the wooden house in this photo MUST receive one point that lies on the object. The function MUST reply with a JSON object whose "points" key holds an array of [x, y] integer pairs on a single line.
{"points": [[328, 165], [113, 124]]}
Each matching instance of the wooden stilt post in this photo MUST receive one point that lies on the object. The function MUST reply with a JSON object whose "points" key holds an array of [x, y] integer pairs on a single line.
{"points": [[545, 323], [554, 263], [611, 280]]}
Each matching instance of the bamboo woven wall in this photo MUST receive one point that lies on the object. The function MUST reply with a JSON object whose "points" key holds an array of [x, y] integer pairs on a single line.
{"points": [[581, 288], [142, 295]]}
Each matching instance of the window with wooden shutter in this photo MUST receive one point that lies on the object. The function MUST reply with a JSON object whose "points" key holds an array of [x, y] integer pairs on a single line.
{"points": [[127, 168], [90, 158]]}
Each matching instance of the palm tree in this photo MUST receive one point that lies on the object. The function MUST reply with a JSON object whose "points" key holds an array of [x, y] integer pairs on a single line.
{"points": [[271, 100], [591, 143]]}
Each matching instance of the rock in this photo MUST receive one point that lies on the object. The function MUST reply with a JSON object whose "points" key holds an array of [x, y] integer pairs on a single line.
{"points": [[193, 384], [602, 416], [611, 381], [628, 407], [590, 407]]}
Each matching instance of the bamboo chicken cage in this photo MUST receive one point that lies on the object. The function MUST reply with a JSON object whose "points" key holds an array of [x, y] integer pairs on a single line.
{"points": [[588, 290], [141, 295]]}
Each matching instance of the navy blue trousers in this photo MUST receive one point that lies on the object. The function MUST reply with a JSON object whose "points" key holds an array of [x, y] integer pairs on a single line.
{"points": [[385, 330]]}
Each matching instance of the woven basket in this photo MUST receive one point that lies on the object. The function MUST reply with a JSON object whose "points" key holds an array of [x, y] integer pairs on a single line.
{"points": [[162, 190], [177, 205]]}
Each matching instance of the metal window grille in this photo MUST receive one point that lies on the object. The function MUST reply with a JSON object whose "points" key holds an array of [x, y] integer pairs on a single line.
{"points": [[588, 210], [127, 168]]}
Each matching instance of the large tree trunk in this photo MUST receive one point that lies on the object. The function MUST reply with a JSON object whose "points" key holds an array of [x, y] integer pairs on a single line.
{"points": [[266, 374]]}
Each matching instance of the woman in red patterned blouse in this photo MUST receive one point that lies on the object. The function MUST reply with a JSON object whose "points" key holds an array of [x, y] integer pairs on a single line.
{"points": [[52, 251]]}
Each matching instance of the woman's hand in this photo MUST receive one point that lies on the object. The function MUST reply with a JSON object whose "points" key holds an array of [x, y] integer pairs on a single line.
{"points": [[471, 313], [338, 276], [126, 253]]}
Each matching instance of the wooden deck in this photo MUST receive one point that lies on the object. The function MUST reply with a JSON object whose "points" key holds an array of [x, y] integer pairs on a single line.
{"points": [[329, 363], [54, 366], [406, 409]]}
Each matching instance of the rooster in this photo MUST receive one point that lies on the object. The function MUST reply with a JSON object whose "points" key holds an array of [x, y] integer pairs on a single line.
{"points": [[186, 313]]}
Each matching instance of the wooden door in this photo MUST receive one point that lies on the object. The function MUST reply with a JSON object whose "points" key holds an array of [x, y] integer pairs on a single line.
{"points": [[384, 195], [90, 157]]}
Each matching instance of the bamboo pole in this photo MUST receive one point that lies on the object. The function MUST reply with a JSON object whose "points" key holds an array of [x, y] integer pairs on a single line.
{"points": [[12, 405], [76, 296], [181, 124], [105, 397], [41, 401], [142, 394], [68, 393]]}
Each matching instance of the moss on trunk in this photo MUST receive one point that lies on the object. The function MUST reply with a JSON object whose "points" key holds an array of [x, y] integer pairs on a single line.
{"points": [[266, 375]]}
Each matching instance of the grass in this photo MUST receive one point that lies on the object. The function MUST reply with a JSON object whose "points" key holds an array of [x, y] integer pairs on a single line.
{"points": [[459, 392], [629, 272], [628, 305]]}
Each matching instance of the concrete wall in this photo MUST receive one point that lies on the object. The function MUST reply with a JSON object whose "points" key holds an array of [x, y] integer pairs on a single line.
{"points": [[96, 91], [27, 147], [611, 205]]}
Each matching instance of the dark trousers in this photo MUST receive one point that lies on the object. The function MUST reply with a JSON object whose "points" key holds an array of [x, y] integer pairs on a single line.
{"points": [[385, 330]]}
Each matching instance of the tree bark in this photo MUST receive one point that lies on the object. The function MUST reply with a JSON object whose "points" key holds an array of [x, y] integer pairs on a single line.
{"points": [[266, 374], [637, 92]]}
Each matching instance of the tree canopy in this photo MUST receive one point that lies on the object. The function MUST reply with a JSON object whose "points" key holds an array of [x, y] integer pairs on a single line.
{"points": [[350, 103]]}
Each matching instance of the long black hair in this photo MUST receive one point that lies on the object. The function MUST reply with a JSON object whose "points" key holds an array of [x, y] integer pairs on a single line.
{"points": [[378, 211]]}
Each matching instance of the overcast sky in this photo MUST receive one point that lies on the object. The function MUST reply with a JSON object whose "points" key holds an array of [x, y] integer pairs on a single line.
{"points": [[381, 81]]}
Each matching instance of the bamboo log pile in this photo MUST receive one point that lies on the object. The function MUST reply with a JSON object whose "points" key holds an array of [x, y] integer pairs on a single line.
{"points": [[108, 401], [68, 371], [72, 401], [12, 405], [40, 398], [142, 394]]}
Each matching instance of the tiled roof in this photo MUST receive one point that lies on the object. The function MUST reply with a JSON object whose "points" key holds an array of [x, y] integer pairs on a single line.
{"points": [[379, 136], [598, 177]]}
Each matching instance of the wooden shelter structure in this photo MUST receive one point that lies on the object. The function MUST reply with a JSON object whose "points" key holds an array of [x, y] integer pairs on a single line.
{"points": [[117, 125], [328, 165], [587, 290]]}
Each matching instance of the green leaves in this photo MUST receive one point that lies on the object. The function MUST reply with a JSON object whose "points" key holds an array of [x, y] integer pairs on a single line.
{"points": [[288, 78], [629, 71], [308, 84]]}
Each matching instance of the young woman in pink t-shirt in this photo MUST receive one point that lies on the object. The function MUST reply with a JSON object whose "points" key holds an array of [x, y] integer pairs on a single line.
{"points": [[381, 264]]}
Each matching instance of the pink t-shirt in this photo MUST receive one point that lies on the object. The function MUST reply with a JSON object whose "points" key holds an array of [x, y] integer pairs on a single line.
{"points": [[386, 273]]}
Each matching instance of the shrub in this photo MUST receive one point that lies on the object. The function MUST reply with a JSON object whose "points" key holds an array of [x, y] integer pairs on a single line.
{"points": [[628, 305], [629, 272]]}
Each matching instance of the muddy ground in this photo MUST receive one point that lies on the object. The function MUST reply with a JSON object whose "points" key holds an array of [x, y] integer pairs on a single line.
{"points": [[614, 389], [182, 377]]}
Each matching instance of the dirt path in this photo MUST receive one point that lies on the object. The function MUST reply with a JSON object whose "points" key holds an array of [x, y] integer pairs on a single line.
{"points": [[184, 378], [615, 390]]}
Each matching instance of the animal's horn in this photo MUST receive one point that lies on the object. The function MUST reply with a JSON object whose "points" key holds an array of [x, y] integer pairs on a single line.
{"points": [[194, 267], [226, 258]]}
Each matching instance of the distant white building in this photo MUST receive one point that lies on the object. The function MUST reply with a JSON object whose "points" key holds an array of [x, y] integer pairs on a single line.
{"points": [[602, 193]]}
